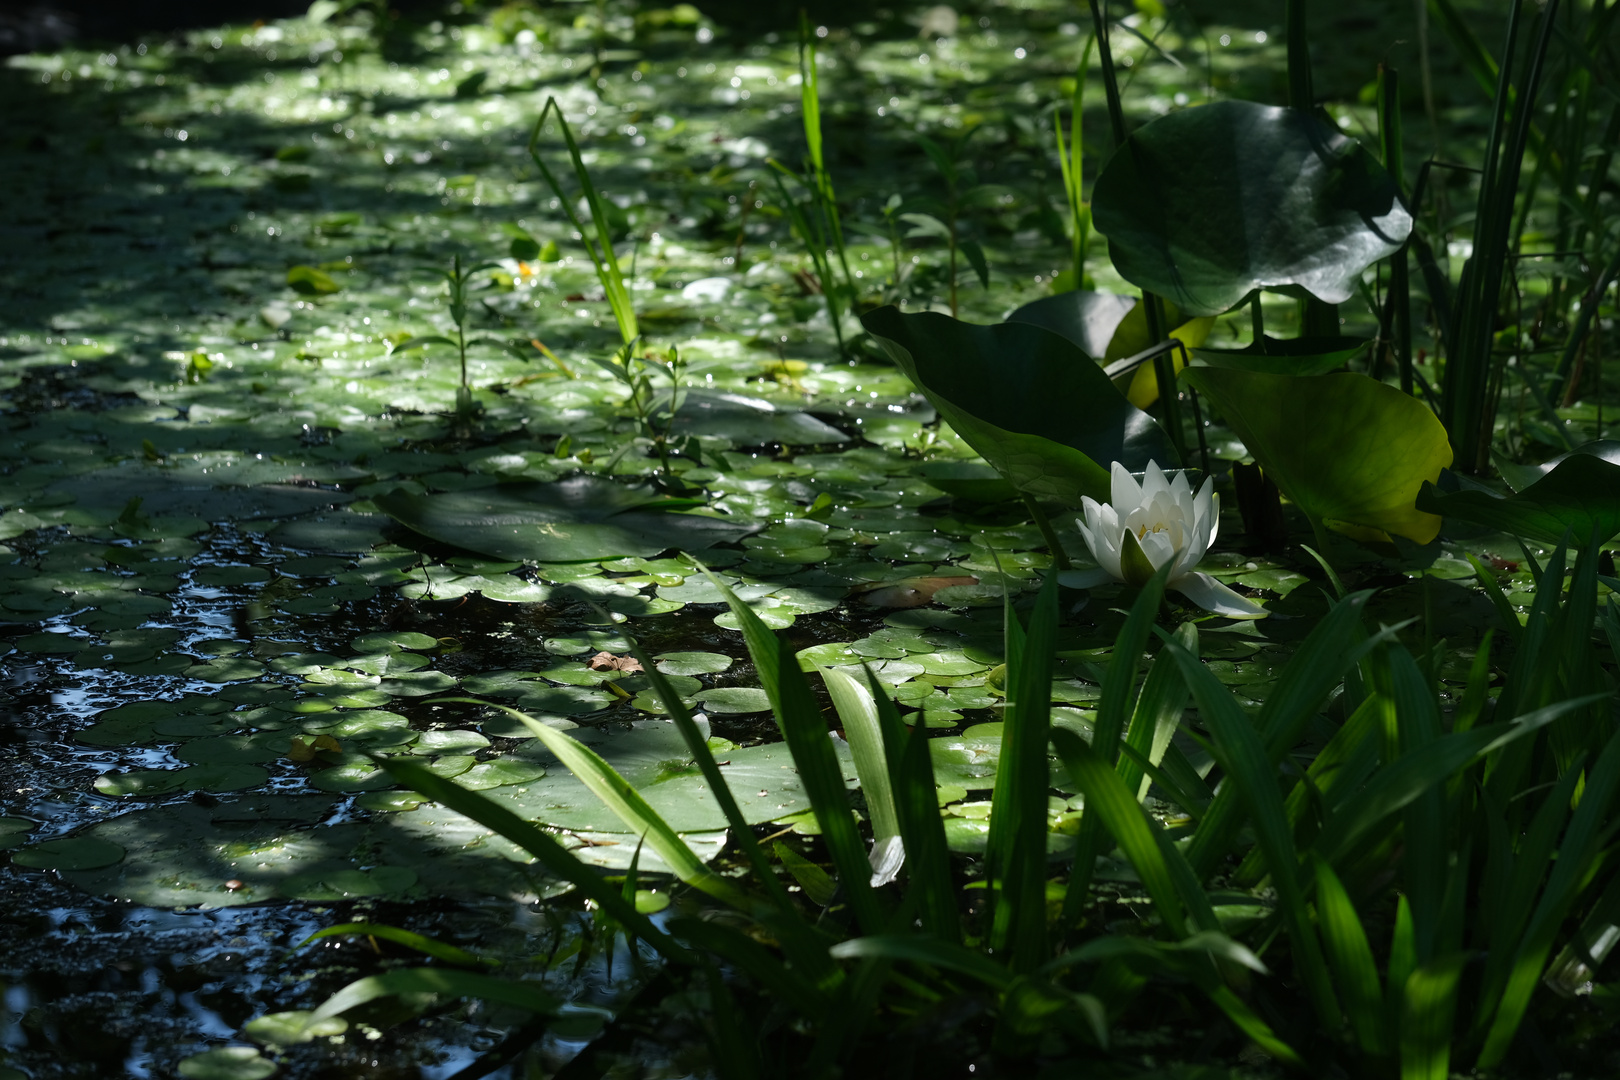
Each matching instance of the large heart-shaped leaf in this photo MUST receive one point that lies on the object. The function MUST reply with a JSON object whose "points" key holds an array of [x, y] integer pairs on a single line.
{"points": [[1348, 450], [574, 520], [1206, 205], [1581, 494], [1031, 403], [1112, 328]]}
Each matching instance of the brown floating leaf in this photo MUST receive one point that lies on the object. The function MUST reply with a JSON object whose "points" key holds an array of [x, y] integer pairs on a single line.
{"points": [[606, 661], [907, 592]]}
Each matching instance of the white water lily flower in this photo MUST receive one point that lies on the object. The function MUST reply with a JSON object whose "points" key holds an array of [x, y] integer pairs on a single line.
{"points": [[1159, 521]]}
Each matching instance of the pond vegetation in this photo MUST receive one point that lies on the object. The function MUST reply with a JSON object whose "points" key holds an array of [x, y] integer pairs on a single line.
{"points": [[599, 539]]}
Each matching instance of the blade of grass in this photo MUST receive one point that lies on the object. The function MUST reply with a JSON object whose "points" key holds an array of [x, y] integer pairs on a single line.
{"points": [[1119, 688], [1350, 955], [799, 719], [537, 842], [621, 796], [426, 945], [1158, 714], [1396, 785], [1016, 847], [1430, 1000], [857, 708], [1252, 775], [1588, 830], [911, 777], [601, 252], [436, 981], [697, 746], [1111, 801]]}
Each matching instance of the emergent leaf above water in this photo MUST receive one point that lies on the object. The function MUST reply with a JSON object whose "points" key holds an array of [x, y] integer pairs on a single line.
{"points": [[1206, 205]]}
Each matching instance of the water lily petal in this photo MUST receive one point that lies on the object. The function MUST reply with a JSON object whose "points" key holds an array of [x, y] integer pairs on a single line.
{"points": [[1212, 596], [1123, 490]]}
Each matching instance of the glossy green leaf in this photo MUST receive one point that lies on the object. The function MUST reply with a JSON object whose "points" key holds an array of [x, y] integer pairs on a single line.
{"points": [[1204, 206], [1348, 450], [573, 520], [1286, 356], [1032, 404], [1581, 494]]}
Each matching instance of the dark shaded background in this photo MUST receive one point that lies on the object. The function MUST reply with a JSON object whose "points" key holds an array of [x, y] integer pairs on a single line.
{"points": [[36, 25]]}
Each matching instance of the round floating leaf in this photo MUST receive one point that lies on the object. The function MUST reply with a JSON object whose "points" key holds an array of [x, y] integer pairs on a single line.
{"points": [[72, 853], [579, 519], [499, 773], [1580, 494], [403, 639], [735, 699], [139, 782], [1029, 401], [1348, 450], [308, 281], [14, 831], [226, 1063], [693, 663], [1206, 205], [290, 1028]]}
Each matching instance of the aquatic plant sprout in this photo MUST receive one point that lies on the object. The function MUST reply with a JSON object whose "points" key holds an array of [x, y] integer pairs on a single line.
{"points": [[1144, 526]]}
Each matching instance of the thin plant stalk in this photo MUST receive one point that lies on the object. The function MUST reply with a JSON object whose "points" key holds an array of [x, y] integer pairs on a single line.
{"points": [[1164, 369]]}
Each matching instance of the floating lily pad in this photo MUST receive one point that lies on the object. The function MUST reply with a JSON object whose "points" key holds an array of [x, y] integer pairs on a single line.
{"points": [[226, 1063], [290, 1028], [70, 853], [582, 518], [652, 756], [693, 663], [1204, 206], [14, 832]]}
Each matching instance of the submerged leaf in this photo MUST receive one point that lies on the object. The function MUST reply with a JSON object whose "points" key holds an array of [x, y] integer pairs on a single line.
{"points": [[574, 520]]}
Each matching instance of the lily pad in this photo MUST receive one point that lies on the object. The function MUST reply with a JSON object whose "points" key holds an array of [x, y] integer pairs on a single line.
{"points": [[14, 831], [747, 421], [1204, 206], [1348, 450], [226, 1063], [1581, 494], [575, 520], [1028, 400], [70, 853], [652, 756]]}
